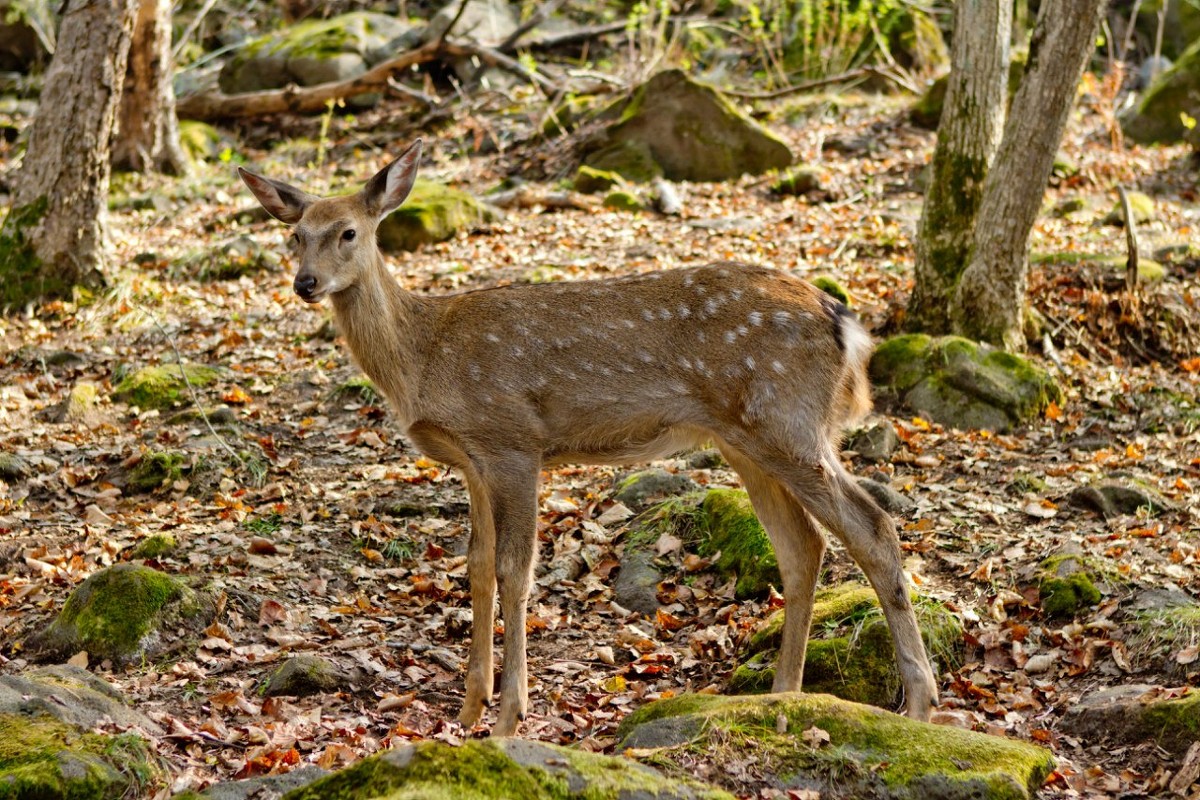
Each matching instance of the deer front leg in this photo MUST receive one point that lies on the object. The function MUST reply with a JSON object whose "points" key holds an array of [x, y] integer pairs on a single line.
{"points": [[513, 492], [481, 572]]}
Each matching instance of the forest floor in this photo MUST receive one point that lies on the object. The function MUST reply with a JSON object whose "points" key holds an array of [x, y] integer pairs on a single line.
{"points": [[351, 545]]}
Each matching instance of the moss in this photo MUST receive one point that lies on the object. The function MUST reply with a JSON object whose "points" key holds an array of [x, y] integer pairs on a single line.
{"points": [[155, 546], [432, 213], [728, 526], [200, 140], [870, 753], [832, 288], [163, 386], [80, 402], [797, 181], [630, 160], [43, 758], [359, 388], [156, 469], [900, 362], [1066, 585], [622, 200], [590, 180], [1142, 205], [114, 613], [1177, 719], [23, 275], [1158, 118]]}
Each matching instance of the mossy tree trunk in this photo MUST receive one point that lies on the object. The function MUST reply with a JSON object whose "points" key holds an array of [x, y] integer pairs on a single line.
{"points": [[53, 235], [968, 136], [990, 298], [149, 130]]}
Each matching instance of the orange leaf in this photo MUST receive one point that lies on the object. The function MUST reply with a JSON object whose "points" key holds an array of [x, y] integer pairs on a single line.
{"points": [[236, 397], [1053, 412]]}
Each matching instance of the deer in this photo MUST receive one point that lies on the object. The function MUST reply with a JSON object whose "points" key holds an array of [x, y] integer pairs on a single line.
{"points": [[502, 382]]}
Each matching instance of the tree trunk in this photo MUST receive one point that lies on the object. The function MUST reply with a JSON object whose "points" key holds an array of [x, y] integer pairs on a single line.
{"points": [[149, 130], [990, 298], [968, 135], [53, 236]]}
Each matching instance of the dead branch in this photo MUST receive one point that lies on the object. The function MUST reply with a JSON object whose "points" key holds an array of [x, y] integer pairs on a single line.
{"points": [[550, 41], [532, 197], [1131, 242], [543, 12], [795, 88]]}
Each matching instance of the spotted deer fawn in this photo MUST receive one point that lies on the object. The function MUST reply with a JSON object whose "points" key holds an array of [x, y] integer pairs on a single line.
{"points": [[503, 382]]}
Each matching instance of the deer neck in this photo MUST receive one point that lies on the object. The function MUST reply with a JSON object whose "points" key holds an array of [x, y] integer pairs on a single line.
{"points": [[380, 322]]}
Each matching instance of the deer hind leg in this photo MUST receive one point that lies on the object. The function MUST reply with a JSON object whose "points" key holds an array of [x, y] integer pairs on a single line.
{"points": [[512, 490], [869, 535], [799, 548], [481, 572]]}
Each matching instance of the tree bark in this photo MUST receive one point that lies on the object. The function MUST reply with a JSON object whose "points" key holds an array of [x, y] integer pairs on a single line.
{"points": [[149, 130], [968, 136], [990, 299], [54, 232]]}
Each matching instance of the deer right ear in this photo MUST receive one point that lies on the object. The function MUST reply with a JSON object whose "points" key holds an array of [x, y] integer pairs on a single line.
{"points": [[283, 202], [384, 193]]}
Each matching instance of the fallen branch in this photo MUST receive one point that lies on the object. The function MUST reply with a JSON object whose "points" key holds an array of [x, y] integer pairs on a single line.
{"points": [[530, 197], [551, 41], [795, 88]]}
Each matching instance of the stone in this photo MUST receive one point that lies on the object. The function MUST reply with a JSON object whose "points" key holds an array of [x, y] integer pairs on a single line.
{"points": [[156, 469], [636, 586], [870, 753], [316, 51], [877, 441], [1158, 117], [80, 405], [125, 613], [727, 528], [1134, 714], [155, 546], [502, 768], [850, 654], [622, 200], [485, 21], [1113, 498], [888, 498], [162, 387], [1067, 585], [590, 180], [799, 180], [638, 489], [708, 458], [962, 384], [230, 260], [13, 467], [432, 213], [832, 288], [304, 675], [268, 787], [70, 695], [689, 130]]}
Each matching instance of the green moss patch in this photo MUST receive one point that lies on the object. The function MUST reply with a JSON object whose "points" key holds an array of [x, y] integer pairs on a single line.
{"points": [[503, 768], [590, 180], [432, 213], [23, 276], [156, 469], [1067, 585], [959, 383], [798, 181], [1159, 117], [43, 758], [1134, 715], [124, 613], [832, 288], [162, 387], [870, 753], [850, 654], [622, 200], [156, 546]]}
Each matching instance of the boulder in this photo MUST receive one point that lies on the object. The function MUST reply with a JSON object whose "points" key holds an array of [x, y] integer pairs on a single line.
{"points": [[1158, 118], [876, 441], [590, 180], [1134, 714], [688, 130], [727, 528], [488, 22], [1066, 585], [47, 745], [636, 586], [229, 260], [268, 787], [1162, 625], [840, 749], [623, 200], [125, 613], [304, 675], [888, 498], [316, 51], [502, 768], [432, 213], [851, 656], [1112, 498], [161, 387], [155, 546], [638, 489], [800, 180], [962, 384]]}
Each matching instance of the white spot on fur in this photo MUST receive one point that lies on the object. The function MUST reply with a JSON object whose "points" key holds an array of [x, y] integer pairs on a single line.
{"points": [[664, 313], [684, 312], [475, 372], [781, 318], [517, 351], [644, 357], [756, 318], [730, 337], [742, 330], [777, 366], [749, 362], [491, 337], [647, 315], [684, 362], [710, 306], [736, 294]]}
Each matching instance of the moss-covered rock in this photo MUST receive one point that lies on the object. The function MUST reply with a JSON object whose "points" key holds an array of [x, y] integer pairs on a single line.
{"points": [[1159, 117], [689, 130], [629, 159], [590, 180], [1134, 715], [200, 140], [1110, 266], [1113, 498], [1066, 585], [304, 675], [314, 51], [851, 654], [640, 488], [125, 613], [156, 546], [622, 200], [1141, 204], [229, 260], [870, 753], [798, 181], [727, 525], [161, 387], [962, 384], [831, 287], [156, 469], [80, 403], [433, 212], [501, 768]]}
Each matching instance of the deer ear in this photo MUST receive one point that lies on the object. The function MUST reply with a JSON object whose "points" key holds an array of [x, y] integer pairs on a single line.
{"points": [[385, 192], [283, 202]]}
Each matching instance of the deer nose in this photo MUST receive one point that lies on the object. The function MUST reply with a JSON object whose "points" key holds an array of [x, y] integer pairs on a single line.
{"points": [[305, 285]]}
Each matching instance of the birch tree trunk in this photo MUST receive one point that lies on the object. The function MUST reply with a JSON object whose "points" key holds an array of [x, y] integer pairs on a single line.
{"points": [[967, 138], [53, 236], [149, 139], [990, 299]]}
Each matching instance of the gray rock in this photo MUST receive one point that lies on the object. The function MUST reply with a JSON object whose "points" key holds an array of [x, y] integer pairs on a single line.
{"points": [[888, 498], [1113, 498], [709, 458], [71, 695], [304, 675], [1132, 714], [636, 586], [639, 489], [876, 442], [484, 21], [1157, 117], [270, 787], [13, 467]]}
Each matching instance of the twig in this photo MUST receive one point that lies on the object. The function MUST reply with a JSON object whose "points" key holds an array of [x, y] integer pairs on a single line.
{"points": [[457, 16], [853, 74], [187, 382], [191, 28], [412, 94], [543, 12]]}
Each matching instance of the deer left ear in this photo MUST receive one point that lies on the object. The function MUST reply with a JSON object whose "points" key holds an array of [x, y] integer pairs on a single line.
{"points": [[283, 202], [384, 193]]}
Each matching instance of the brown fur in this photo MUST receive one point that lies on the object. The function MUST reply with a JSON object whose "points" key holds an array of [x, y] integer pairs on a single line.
{"points": [[502, 382]]}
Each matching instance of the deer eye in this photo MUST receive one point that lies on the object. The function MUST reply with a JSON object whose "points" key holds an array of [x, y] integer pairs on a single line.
{"points": [[348, 235]]}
